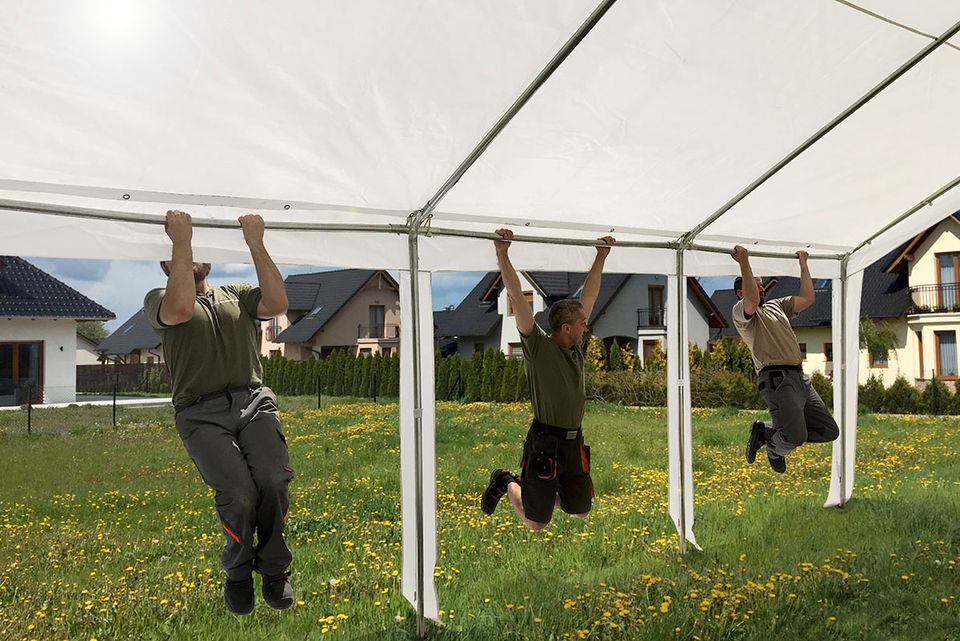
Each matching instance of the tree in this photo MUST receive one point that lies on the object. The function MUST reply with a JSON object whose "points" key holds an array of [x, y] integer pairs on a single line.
{"points": [[616, 358], [877, 338], [657, 360], [719, 357], [696, 356], [93, 330], [595, 360]]}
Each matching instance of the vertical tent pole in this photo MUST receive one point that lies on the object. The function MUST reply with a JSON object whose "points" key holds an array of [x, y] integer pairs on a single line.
{"points": [[844, 372], [681, 385], [417, 422]]}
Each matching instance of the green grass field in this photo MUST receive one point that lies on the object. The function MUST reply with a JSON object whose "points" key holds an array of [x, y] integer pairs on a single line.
{"points": [[110, 534]]}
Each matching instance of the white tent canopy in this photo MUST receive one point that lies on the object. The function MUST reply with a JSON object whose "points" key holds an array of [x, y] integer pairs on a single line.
{"points": [[399, 134]]}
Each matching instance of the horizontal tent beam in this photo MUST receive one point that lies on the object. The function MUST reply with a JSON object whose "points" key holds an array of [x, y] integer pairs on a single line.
{"points": [[210, 223], [224, 223], [823, 131]]}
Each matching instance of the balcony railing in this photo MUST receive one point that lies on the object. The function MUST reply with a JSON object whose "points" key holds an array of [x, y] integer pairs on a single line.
{"points": [[655, 317], [378, 331], [933, 299]]}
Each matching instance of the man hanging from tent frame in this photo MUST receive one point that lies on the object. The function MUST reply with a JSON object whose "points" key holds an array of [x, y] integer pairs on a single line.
{"points": [[555, 465], [797, 411], [228, 422]]}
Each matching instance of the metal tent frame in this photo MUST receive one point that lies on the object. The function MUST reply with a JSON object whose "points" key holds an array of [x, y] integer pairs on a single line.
{"points": [[416, 406]]}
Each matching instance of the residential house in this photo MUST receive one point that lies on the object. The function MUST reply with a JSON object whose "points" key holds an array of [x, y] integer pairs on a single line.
{"points": [[133, 342], [87, 353], [38, 334], [353, 309], [630, 309], [912, 291]]}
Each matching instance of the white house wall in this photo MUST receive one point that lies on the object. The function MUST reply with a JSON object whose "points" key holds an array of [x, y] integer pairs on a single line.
{"points": [[901, 361], [922, 269], [59, 338], [508, 329]]}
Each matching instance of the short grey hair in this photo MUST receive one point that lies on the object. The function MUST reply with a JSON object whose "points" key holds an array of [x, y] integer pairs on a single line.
{"points": [[564, 311]]}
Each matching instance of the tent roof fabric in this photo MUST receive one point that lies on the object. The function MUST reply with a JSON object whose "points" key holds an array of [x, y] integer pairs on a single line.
{"points": [[27, 291], [662, 115]]}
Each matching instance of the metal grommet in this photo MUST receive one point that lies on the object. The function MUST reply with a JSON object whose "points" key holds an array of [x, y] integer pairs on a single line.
{"points": [[126, 196], [286, 206], [526, 224]]}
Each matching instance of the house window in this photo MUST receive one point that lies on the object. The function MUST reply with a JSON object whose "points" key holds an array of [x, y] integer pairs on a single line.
{"points": [[803, 351], [273, 330], [478, 348], [655, 309], [877, 361], [365, 351], [527, 296], [946, 354], [149, 360], [377, 316], [828, 351], [948, 275], [21, 372], [515, 350], [920, 351]]}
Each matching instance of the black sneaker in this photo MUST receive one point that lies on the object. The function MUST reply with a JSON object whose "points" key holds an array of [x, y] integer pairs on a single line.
{"points": [[277, 591], [758, 438], [496, 488], [778, 463], [238, 595]]}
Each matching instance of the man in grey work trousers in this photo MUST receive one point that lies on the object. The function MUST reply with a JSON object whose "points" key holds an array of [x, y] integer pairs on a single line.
{"points": [[228, 421], [797, 411]]}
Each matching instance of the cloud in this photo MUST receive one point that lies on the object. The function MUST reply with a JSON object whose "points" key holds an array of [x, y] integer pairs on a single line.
{"points": [[78, 270]]}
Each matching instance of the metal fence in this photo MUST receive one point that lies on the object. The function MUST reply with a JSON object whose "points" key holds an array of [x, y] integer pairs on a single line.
{"points": [[146, 378], [931, 299]]}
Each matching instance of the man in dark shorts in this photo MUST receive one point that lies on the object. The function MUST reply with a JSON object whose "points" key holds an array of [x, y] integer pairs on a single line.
{"points": [[555, 466], [798, 413], [228, 421]]}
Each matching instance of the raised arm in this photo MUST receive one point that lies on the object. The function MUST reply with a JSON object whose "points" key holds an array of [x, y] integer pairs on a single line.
{"points": [[522, 313], [273, 294], [751, 292], [807, 296], [591, 286], [181, 294]]}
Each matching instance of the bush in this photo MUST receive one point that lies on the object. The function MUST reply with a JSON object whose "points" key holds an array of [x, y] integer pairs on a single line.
{"points": [[936, 398], [901, 398], [872, 395], [824, 387]]}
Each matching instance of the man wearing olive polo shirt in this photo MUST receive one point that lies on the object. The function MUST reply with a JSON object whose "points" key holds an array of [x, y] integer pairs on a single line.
{"points": [[797, 411], [555, 464], [228, 421]]}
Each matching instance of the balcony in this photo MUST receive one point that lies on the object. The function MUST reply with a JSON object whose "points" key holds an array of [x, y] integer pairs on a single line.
{"points": [[934, 299], [654, 318], [374, 332]]}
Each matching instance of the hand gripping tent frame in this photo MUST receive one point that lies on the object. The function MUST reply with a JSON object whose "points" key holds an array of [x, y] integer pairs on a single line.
{"points": [[680, 128]]}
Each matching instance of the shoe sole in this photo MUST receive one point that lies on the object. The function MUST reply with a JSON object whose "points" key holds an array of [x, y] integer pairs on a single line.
{"points": [[279, 606], [752, 459], [493, 476]]}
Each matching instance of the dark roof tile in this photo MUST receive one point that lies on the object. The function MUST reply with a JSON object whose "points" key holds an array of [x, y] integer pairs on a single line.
{"points": [[27, 291]]}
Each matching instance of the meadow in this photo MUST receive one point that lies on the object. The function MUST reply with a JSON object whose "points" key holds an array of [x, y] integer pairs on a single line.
{"points": [[108, 533]]}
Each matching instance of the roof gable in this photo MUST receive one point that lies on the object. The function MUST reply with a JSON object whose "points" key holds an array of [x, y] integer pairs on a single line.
{"points": [[28, 291], [135, 333]]}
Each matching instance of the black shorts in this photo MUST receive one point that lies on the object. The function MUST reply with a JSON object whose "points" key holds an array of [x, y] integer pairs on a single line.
{"points": [[553, 465]]}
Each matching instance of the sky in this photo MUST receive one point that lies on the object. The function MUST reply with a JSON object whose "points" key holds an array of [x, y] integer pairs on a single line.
{"points": [[119, 285]]}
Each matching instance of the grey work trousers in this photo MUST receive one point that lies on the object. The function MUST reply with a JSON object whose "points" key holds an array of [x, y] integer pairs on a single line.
{"points": [[798, 413], [234, 438]]}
